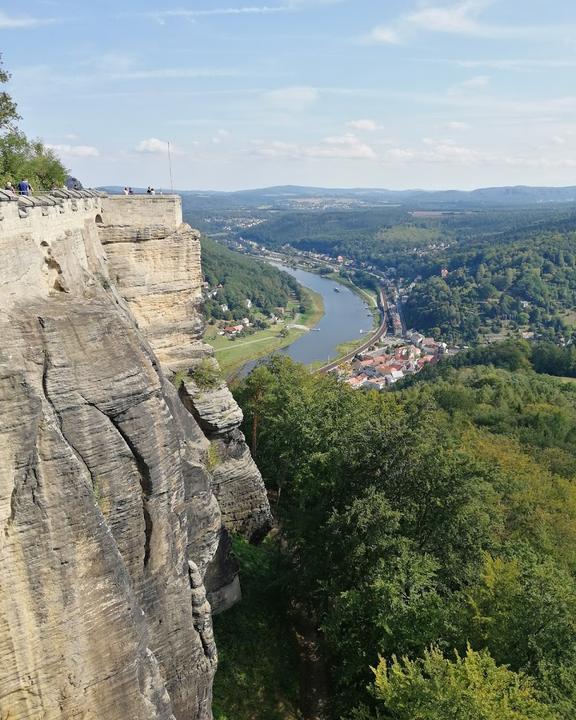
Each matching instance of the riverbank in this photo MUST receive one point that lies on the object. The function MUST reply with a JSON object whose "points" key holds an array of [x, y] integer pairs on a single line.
{"points": [[233, 354]]}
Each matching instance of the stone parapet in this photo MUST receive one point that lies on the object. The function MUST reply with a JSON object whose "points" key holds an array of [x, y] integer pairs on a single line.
{"points": [[141, 211], [48, 216]]}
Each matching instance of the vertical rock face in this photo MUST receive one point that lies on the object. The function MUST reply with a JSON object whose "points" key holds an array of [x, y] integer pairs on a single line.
{"points": [[157, 270], [109, 523]]}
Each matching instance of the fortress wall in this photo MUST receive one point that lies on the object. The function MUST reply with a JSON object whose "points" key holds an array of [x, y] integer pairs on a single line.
{"points": [[46, 248], [46, 218], [143, 210]]}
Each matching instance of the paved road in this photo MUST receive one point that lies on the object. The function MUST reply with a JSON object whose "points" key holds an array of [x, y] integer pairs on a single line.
{"points": [[372, 339]]}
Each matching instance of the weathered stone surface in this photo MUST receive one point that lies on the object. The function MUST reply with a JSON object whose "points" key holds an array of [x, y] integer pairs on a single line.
{"points": [[109, 523], [236, 481], [214, 408], [157, 270], [96, 601]]}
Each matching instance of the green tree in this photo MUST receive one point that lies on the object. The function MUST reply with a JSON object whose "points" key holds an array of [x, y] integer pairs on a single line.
{"points": [[23, 158], [8, 114], [471, 687]]}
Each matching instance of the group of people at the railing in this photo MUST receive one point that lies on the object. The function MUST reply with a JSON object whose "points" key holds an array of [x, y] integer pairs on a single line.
{"points": [[130, 191], [23, 188]]}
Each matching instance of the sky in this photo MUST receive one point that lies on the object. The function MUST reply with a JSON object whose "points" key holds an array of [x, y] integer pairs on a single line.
{"points": [[335, 93]]}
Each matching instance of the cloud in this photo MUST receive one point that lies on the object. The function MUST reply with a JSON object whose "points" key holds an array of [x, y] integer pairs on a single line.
{"points": [[442, 152], [77, 151], [289, 6], [162, 15], [152, 145], [365, 124], [292, 98], [174, 73], [457, 125], [459, 18], [385, 35], [339, 147], [519, 64], [445, 152], [220, 136], [10, 22], [473, 83]]}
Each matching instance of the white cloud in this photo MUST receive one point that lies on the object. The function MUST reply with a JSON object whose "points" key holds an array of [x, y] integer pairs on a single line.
{"points": [[339, 147], [459, 18], [152, 145], [74, 150], [173, 73], [365, 124], [292, 98], [442, 152], [220, 136], [346, 146], [473, 83], [446, 152], [11, 22], [520, 64], [162, 15], [385, 35], [289, 6], [457, 125]]}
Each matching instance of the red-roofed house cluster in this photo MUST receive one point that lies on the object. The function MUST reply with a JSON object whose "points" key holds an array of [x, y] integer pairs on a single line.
{"points": [[384, 366]]}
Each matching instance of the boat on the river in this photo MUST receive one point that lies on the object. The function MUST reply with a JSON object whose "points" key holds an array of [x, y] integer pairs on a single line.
{"points": [[336, 289]]}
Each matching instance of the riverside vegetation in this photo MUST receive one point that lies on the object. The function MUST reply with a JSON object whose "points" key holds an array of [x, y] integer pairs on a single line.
{"points": [[428, 533], [240, 287]]}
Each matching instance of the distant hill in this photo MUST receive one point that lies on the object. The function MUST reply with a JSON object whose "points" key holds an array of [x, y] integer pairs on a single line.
{"points": [[290, 196]]}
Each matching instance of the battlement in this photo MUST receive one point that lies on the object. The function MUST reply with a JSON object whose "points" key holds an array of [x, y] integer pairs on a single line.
{"points": [[50, 215], [47, 216]]}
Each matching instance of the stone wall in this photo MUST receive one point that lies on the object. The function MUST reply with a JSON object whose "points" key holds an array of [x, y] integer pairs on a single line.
{"points": [[139, 211], [109, 524]]}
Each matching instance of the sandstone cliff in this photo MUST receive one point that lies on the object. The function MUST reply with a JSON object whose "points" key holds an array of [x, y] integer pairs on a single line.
{"points": [[109, 492]]}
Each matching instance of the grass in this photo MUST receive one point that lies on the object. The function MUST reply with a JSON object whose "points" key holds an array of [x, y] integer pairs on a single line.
{"points": [[257, 676], [233, 354], [205, 374]]}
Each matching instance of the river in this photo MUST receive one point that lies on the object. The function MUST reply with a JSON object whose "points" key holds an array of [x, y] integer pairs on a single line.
{"points": [[346, 317]]}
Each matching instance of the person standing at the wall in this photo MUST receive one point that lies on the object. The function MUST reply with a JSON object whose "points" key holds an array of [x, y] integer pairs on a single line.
{"points": [[24, 187]]}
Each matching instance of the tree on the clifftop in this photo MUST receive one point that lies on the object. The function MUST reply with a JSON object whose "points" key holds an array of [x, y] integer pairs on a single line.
{"points": [[23, 158]]}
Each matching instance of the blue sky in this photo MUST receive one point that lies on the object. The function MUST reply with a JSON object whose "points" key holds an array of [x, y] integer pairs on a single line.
{"points": [[377, 93]]}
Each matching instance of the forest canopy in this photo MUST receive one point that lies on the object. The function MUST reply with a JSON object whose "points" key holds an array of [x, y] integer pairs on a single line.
{"points": [[429, 533]]}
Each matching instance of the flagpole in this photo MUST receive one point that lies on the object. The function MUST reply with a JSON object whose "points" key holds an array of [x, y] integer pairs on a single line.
{"points": [[170, 167]]}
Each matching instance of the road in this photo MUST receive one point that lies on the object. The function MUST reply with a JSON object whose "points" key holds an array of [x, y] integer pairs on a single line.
{"points": [[371, 340]]}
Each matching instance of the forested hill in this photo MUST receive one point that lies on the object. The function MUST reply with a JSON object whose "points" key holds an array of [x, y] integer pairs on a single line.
{"points": [[243, 284], [428, 532], [518, 280]]}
